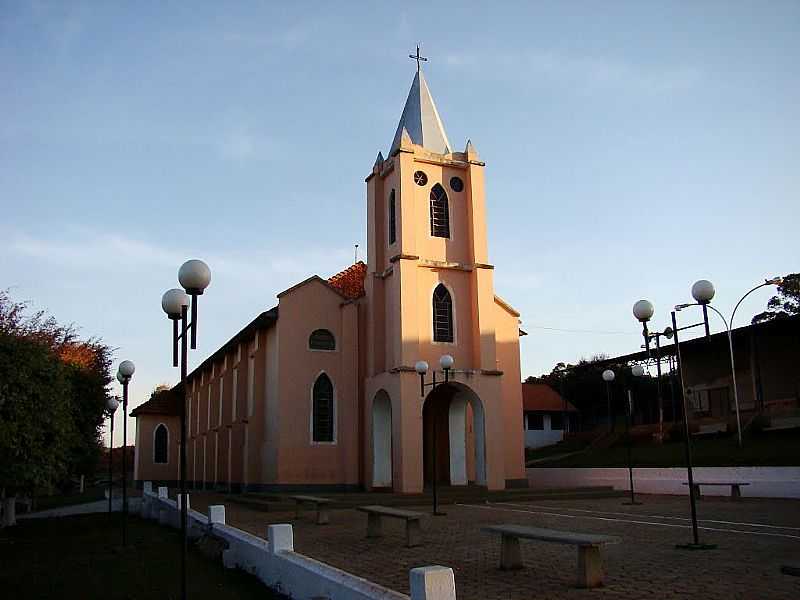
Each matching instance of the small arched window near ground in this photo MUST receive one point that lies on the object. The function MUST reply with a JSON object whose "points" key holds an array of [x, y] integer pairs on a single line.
{"points": [[442, 315], [321, 339], [322, 418], [161, 445], [440, 213]]}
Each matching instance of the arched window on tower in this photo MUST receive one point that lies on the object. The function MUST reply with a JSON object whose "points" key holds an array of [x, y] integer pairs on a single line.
{"points": [[323, 410], [392, 219], [442, 315], [161, 445], [440, 213]]}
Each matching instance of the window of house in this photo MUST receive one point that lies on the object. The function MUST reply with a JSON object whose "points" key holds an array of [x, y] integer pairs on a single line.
{"points": [[442, 315], [321, 339], [557, 421], [322, 418], [440, 213], [456, 184], [392, 219], [161, 445], [535, 421]]}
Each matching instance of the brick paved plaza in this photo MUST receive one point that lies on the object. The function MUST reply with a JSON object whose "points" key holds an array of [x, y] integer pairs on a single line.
{"points": [[754, 538]]}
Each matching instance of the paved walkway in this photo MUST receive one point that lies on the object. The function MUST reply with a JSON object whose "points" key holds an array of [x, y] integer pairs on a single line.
{"points": [[754, 537]]}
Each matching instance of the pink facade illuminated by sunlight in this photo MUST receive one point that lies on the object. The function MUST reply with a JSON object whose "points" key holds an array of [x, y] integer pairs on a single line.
{"points": [[320, 392]]}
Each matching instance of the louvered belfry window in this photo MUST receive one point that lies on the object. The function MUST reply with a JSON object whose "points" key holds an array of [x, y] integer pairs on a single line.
{"points": [[392, 220], [323, 409], [321, 339], [442, 315], [160, 445], [440, 213]]}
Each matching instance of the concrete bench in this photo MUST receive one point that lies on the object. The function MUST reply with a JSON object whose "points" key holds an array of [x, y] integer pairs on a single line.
{"points": [[320, 504], [376, 513], [590, 563], [736, 491]]}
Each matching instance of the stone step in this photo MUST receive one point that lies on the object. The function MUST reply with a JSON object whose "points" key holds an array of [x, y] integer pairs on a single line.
{"points": [[276, 502]]}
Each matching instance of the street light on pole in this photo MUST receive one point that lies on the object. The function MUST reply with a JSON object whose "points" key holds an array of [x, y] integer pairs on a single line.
{"points": [[124, 373], [195, 276], [446, 362], [703, 293], [644, 316], [608, 377], [111, 405], [637, 371]]}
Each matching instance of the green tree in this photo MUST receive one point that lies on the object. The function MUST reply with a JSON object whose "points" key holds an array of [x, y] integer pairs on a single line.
{"points": [[53, 393], [36, 426], [785, 304]]}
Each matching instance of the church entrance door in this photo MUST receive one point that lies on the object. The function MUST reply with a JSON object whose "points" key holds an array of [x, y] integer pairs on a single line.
{"points": [[453, 413]]}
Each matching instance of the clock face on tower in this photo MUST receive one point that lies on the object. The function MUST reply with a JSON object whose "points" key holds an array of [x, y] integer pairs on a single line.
{"points": [[420, 178], [456, 184]]}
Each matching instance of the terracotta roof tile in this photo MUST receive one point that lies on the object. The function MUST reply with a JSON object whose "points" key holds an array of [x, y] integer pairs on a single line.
{"points": [[164, 402], [350, 282], [540, 396]]}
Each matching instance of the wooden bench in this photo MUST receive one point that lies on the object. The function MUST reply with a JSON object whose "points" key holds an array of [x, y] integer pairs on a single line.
{"points": [[375, 529], [590, 563], [736, 492], [320, 504]]}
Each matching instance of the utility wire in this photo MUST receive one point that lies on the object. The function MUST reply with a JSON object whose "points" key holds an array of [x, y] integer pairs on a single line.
{"points": [[582, 330]]}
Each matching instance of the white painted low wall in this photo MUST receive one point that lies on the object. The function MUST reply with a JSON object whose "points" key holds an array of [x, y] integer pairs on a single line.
{"points": [[275, 562], [765, 482]]}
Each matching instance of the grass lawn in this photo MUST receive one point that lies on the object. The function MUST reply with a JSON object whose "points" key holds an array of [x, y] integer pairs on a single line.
{"points": [[90, 494], [776, 449], [80, 557]]}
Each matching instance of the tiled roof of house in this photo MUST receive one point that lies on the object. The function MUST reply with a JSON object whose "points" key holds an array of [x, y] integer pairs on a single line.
{"points": [[350, 282], [540, 396], [163, 402]]}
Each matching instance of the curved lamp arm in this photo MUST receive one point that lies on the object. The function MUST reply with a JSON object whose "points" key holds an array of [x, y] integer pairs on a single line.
{"points": [[760, 285]]}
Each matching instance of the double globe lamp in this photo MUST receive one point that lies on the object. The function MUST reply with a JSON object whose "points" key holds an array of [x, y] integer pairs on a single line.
{"points": [[194, 276]]}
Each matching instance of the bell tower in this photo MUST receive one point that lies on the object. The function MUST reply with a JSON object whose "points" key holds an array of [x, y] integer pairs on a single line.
{"points": [[429, 284]]}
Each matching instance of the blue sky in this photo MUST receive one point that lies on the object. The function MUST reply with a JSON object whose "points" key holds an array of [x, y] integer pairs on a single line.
{"points": [[631, 149]]}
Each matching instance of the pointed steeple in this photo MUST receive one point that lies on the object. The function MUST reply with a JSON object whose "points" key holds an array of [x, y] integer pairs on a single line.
{"points": [[421, 120]]}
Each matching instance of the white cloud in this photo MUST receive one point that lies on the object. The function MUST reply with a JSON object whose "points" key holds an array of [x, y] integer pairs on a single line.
{"points": [[584, 72], [242, 145]]}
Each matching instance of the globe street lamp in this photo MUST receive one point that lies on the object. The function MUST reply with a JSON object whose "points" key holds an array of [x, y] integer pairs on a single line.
{"points": [[608, 377], [703, 293], [194, 276], [111, 406], [124, 373], [644, 317], [446, 363], [637, 371], [643, 311]]}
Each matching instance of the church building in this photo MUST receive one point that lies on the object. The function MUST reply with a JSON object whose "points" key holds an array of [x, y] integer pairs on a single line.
{"points": [[320, 392]]}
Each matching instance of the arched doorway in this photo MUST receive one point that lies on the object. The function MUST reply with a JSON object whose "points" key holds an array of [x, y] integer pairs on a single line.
{"points": [[454, 414], [381, 440]]}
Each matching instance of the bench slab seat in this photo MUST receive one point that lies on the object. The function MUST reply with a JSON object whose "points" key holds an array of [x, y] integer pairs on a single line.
{"points": [[375, 527], [590, 562], [321, 504], [736, 491]]}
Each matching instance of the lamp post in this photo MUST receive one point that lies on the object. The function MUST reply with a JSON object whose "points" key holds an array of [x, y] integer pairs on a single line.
{"points": [[637, 371], [703, 292], [111, 405], [643, 311], [446, 362], [608, 377], [194, 276], [124, 373]]}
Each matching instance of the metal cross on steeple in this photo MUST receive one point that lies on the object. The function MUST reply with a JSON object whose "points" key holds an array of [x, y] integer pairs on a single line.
{"points": [[418, 57]]}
